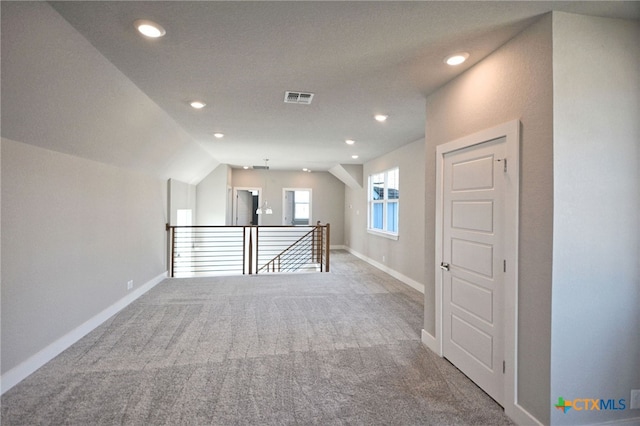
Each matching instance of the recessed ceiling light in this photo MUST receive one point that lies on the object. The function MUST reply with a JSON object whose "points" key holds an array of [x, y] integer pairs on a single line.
{"points": [[381, 117], [354, 156], [245, 167], [456, 59], [349, 141], [219, 135], [149, 28], [305, 169], [197, 104]]}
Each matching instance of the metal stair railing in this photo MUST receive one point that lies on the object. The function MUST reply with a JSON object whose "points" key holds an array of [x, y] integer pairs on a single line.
{"points": [[225, 250], [294, 257]]}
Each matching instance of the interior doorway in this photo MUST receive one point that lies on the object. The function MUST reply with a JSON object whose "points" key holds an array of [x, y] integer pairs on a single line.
{"points": [[245, 204], [472, 257], [477, 258]]}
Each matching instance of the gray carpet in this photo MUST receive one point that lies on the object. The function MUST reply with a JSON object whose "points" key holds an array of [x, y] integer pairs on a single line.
{"points": [[331, 349]]}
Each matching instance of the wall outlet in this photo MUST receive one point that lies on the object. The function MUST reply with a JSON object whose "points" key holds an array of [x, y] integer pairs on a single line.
{"points": [[635, 399], [129, 284], [384, 258]]}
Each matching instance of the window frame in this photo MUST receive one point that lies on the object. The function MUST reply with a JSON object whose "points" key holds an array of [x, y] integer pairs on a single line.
{"points": [[285, 210], [385, 201]]}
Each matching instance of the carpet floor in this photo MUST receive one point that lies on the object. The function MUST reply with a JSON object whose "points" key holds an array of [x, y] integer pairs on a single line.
{"points": [[340, 348]]}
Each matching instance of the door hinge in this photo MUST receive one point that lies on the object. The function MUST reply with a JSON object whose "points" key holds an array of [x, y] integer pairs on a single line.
{"points": [[504, 266], [504, 367], [505, 163]]}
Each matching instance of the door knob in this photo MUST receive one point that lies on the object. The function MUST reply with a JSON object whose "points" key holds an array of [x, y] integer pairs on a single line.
{"points": [[444, 266]]}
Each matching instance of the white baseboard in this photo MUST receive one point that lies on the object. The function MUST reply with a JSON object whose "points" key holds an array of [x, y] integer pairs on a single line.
{"points": [[338, 247], [395, 274], [31, 364], [430, 342], [520, 416], [515, 412]]}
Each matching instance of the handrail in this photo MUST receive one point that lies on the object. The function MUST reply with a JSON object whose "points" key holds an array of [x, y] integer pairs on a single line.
{"points": [[285, 251], [203, 250]]}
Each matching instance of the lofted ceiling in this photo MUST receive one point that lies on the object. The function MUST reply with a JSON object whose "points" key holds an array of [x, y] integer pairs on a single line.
{"points": [[357, 58]]}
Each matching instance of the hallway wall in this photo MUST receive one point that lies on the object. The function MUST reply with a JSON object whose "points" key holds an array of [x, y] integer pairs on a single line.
{"points": [[85, 160], [74, 232], [213, 196], [514, 82], [596, 244], [406, 254]]}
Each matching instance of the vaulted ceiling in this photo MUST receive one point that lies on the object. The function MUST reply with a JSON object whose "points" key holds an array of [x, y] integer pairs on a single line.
{"points": [[358, 58]]}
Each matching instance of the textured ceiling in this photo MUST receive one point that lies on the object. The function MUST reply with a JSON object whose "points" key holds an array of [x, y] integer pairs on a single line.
{"points": [[358, 58]]}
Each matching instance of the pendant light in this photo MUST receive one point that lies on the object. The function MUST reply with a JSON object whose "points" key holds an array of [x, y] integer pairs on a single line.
{"points": [[264, 208]]}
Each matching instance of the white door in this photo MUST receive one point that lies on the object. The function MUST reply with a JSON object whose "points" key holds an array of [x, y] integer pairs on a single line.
{"points": [[472, 263]]}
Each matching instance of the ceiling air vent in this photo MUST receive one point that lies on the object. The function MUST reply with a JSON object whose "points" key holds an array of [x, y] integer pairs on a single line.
{"points": [[297, 98]]}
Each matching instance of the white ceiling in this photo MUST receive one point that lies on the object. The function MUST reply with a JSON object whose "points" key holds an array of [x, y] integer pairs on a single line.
{"points": [[358, 58]]}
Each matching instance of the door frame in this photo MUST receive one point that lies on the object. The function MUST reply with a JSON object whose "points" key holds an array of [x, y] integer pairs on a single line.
{"points": [[511, 132], [234, 211]]}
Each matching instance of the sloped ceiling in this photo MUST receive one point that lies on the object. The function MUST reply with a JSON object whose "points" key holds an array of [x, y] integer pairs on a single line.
{"points": [[61, 94], [79, 78]]}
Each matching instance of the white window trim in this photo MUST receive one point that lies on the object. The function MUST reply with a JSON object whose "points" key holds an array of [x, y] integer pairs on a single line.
{"points": [[370, 202], [284, 203], [384, 234]]}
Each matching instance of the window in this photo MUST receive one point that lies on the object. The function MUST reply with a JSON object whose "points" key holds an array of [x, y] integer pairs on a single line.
{"points": [[384, 199], [301, 207], [296, 208]]}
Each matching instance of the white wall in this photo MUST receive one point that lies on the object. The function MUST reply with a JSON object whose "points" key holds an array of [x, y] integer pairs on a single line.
{"points": [[212, 196], [74, 231], [406, 255], [0, 257], [84, 193], [328, 195], [514, 82], [596, 245], [181, 196]]}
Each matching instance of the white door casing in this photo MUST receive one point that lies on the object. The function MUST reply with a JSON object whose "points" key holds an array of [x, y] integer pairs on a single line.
{"points": [[243, 205], [477, 238]]}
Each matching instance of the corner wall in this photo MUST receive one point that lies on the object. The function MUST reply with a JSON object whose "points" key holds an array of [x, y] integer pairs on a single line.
{"points": [[85, 105], [212, 197], [74, 231], [596, 267], [181, 196], [514, 82]]}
